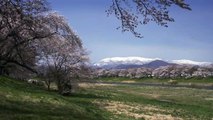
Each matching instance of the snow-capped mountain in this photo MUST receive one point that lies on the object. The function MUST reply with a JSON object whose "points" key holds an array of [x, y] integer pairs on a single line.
{"points": [[190, 62], [125, 61], [136, 62]]}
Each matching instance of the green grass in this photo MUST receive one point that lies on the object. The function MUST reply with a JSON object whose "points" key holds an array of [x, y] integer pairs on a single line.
{"points": [[207, 80], [20, 101], [180, 102]]}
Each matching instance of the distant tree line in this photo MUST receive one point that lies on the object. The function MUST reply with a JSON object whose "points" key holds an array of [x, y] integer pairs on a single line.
{"points": [[170, 71]]}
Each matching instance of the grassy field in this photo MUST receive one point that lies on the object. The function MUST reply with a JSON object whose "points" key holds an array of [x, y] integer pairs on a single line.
{"points": [[22, 101], [204, 81]]}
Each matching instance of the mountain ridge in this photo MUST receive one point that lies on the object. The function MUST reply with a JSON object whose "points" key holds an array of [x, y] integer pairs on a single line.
{"points": [[136, 62]]}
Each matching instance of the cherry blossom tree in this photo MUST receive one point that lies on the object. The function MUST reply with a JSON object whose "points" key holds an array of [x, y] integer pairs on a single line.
{"points": [[61, 54], [21, 24]]}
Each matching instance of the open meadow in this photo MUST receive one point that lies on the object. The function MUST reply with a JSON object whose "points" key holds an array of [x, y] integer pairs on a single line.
{"points": [[20, 100]]}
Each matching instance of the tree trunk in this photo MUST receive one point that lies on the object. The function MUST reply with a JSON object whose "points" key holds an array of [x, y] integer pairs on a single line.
{"points": [[48, 87], [1, 71]]}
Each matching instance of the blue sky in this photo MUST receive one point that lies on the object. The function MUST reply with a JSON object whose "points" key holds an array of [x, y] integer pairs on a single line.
{"points": [[189, 37]]}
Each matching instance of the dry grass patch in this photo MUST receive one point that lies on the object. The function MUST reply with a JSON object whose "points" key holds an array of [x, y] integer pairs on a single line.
{"points": [[128, 81], [211, 99], [137, 111], [93, 85], [150, 95]]}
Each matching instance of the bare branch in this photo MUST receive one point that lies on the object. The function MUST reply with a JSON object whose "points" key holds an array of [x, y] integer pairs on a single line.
{"points": [[133, 13]]}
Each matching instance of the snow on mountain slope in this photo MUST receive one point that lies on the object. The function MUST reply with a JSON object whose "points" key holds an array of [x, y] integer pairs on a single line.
{"points": [[125, 60], [143, 62], [190, 62]]}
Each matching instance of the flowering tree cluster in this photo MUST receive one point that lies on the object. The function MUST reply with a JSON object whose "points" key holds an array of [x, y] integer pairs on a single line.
{"points": [[170, 71], [35, 40]]}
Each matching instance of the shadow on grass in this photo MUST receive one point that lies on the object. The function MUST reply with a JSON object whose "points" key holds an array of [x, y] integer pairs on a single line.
{"points": [[49, 105], [86, 95], [79, 110]]}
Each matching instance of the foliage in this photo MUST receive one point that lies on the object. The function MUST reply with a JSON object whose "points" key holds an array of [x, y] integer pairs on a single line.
{"points": [[21, 24], [169, 71]]}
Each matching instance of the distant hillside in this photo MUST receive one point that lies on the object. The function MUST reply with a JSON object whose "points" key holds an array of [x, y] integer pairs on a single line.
{"points": [[157, 64], [123, 66], [137, 62], [153, 64]]}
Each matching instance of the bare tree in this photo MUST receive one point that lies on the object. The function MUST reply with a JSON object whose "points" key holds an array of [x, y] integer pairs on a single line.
{"points": [[132, 13]]}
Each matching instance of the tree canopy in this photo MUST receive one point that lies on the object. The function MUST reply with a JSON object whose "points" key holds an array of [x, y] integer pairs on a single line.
{"points": [[24, 24]]}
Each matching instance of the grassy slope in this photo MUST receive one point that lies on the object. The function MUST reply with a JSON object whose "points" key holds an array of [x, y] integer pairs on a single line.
{"points": [[20, 100]]}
